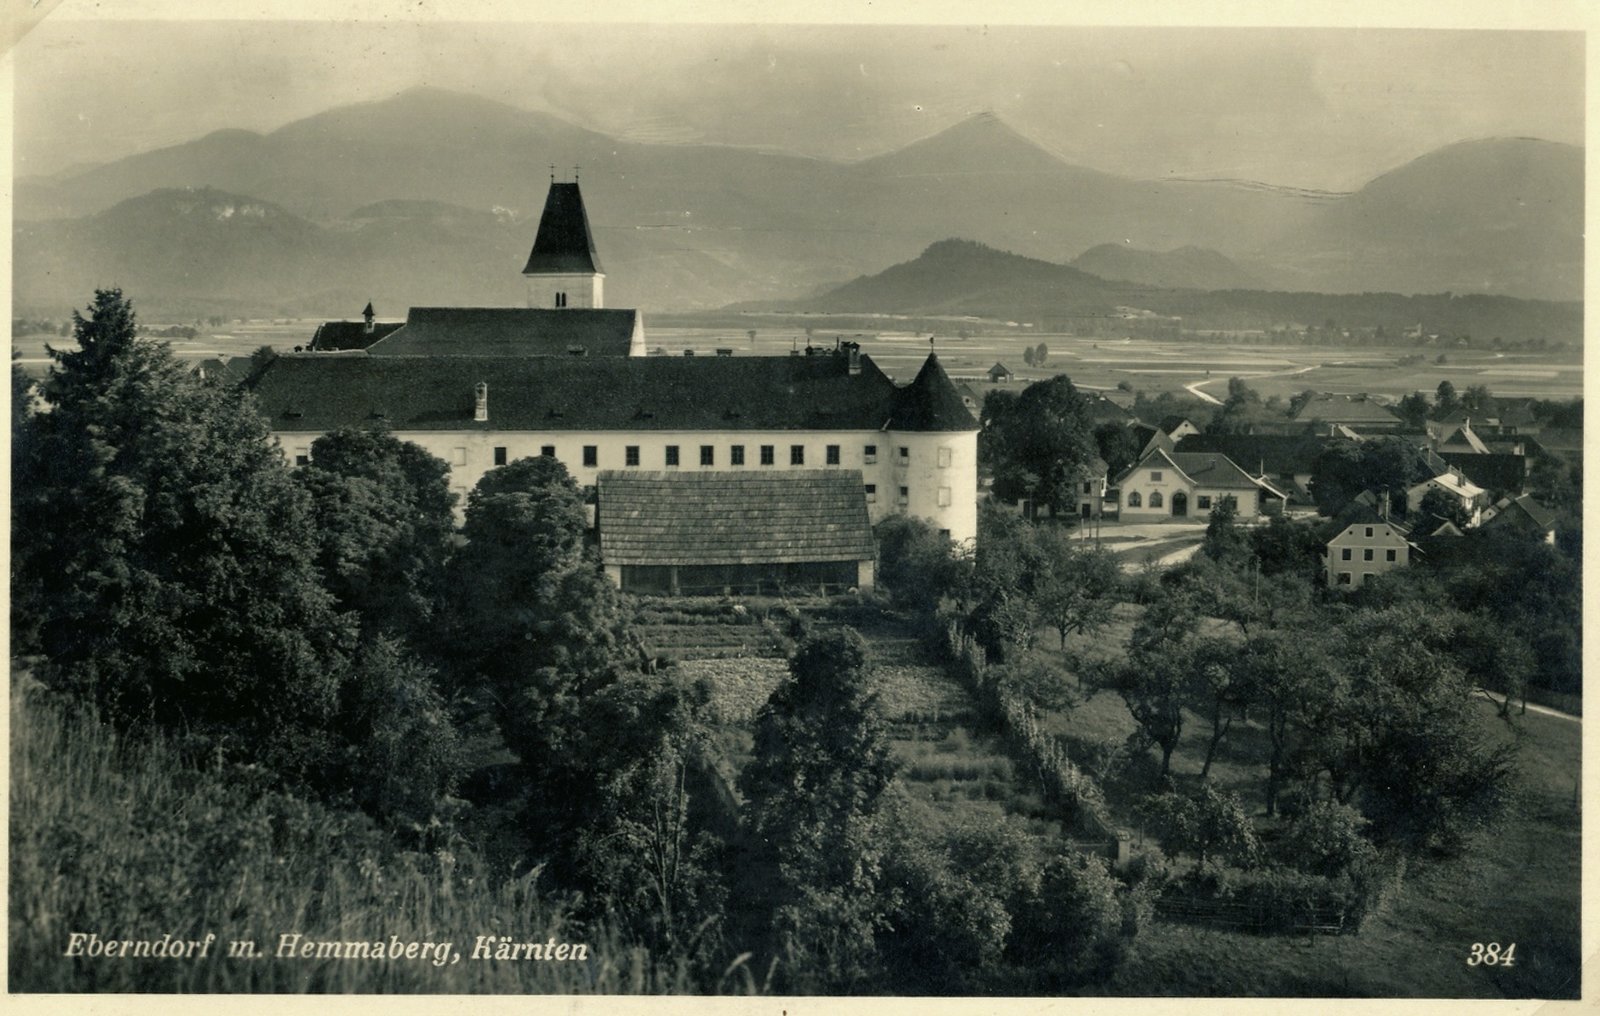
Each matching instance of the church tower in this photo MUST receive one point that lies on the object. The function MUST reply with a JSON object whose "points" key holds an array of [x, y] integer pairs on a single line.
{"points": [[563, 269]]}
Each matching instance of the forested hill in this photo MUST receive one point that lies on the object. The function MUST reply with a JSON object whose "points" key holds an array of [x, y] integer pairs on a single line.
{"points": [[961, 277]]}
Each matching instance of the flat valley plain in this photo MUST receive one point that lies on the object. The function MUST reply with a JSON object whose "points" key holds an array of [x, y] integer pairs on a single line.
{"points": [[1149, 365]]}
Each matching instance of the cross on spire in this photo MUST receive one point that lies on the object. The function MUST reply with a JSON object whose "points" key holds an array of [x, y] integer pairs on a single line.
{"points": [[552, 172], [575, 173]]}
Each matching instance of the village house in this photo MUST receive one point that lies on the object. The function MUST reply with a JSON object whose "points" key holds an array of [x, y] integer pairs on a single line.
{"points": [[568, 378], [1520, 515], [1364, 544], [1471, 497], [1167, 484]]}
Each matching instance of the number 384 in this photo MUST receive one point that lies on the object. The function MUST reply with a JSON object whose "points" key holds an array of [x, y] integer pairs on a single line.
{"points": [[1492, 955]]}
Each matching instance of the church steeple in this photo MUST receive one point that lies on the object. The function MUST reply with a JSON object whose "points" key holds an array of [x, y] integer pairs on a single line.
{"points": [[563, 269]]}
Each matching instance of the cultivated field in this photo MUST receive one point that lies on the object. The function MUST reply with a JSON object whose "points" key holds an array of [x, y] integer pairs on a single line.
{"points": [[1149, 365]]}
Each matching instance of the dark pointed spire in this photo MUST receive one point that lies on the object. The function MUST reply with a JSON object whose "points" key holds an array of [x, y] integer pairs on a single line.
{"points": [[564, 245]]}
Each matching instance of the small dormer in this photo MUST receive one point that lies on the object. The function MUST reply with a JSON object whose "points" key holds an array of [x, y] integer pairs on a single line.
{"points": [[369, 317], [481, 412]]}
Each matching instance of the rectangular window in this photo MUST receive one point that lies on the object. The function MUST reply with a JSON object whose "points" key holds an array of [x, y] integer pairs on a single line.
{"points": [[736, 454], [1344, 578], [708, 457], [1366, 576], [944, 497], [833, 455], [630, 455], [905, 454], [1366, 555], [459, 457], [797, 455], [1344, 555], [944, 458], [872, 493], [1155, 476], [1390, 554], [767, 455], [548, 451], [869, 454], [672, 454], [591, 455], [302, 456], [1369, 532], [1203, 502], [1088, 488], [500, 456], [905, 495]]}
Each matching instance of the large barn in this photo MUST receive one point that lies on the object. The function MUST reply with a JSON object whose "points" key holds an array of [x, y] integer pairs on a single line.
{"points": [[825, 442]]}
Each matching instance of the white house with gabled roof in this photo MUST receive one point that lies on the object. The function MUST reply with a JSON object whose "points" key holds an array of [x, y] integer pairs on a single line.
{"points": [[1171, 484]]}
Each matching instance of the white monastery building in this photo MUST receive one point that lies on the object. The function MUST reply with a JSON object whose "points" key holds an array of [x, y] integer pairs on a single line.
{"points": [[809, 449]]}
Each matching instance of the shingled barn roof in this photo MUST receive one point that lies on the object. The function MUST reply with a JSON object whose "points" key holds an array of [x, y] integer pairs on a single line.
{"points": [[317, 392], [510, 331], [564, 244], [792, 516]]}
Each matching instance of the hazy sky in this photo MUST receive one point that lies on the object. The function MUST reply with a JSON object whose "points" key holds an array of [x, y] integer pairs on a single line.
{"points": [[1313, 108]]}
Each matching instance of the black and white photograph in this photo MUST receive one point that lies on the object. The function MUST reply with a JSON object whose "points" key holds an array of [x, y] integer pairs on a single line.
{"points": [[984, 503]]}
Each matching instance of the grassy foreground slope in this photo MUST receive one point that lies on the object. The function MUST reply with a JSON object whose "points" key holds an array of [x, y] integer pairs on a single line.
{"points": [[122, 839]]}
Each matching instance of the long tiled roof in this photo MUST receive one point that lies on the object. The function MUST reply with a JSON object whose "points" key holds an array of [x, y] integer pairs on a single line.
{"points": [[1277, 454], [732, 518], [1353, 409], [564, 244], [315, 392], [331, 335], [510, 331]]}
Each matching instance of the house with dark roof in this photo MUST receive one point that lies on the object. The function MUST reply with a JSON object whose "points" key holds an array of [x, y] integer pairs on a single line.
{"points": [[1165, 484], [1000, 374], [568, 378], [1361, 413], [1287, 461], [1521, 515], [1499, 474], [339, 336]]}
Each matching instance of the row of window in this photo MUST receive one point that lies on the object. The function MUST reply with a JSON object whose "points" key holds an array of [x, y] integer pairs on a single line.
{"points": [[708, 456], [1366, 555]]}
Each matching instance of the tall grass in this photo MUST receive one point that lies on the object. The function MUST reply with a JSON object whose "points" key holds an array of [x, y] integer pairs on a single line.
{"points": [[119, 837]]}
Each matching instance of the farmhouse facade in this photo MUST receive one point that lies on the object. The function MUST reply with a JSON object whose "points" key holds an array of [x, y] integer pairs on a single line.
{"points": [[569, 378], [1365, 547], [1166, 484]]}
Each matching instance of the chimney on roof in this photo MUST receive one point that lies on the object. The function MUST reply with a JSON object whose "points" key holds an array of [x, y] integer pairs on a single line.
{"points": [[481, 413], [853, 352], [367, 316]]}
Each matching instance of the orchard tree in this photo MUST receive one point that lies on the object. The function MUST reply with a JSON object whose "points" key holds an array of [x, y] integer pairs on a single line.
{"points": [[1077, 589], [1438, 504], [1414, 409], [917, 564], [813, 788]]}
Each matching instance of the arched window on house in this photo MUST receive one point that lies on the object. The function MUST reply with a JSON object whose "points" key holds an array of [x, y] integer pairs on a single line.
{"points": [[1155, 499], [1133, 500]]}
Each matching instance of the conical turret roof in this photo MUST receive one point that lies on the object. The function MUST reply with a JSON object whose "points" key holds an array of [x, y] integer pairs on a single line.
{"points": [[931, 402]]}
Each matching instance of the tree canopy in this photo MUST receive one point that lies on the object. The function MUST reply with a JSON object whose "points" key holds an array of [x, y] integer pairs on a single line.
{"points": [[1037, 443]]}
